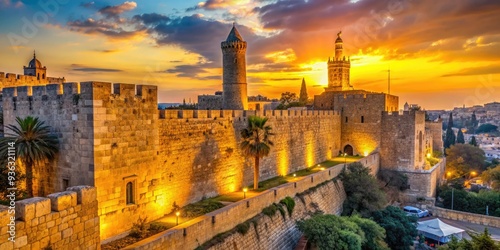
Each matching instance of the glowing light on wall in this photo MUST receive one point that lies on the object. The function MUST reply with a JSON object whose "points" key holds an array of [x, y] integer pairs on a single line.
{"points": [[309, 149], [283, 162]]}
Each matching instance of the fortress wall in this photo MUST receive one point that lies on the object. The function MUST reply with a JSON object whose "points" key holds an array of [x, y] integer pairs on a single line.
{"points": [[60, 106], [125, 141], [65, 220], [436, 130], [361, 123], [403, 140], [212, 162], [13, 80], [272, 233]]}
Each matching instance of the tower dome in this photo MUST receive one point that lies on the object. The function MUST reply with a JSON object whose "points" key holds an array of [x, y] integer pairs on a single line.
{"points": [[34, 63], [339, 40]]}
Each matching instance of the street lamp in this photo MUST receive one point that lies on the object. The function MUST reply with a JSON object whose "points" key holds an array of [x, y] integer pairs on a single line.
{"points": [[345, 159], [177, 217], [245, 193]]}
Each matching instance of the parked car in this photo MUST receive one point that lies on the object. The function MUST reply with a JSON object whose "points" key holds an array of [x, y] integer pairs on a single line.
{"points": [[413, 211]]}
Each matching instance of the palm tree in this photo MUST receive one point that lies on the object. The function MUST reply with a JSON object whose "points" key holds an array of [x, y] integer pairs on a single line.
{"points": [[34, 143], [256, 143]]}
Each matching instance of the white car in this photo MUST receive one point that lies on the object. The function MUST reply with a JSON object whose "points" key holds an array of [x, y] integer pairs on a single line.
{"points": [[413, 211]]}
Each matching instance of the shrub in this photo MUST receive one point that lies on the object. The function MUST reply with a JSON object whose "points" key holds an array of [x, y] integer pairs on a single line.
{"points": [[270, 210], [282, 211], [201, 208], [243, 228], [289, 202], [140, 228]]}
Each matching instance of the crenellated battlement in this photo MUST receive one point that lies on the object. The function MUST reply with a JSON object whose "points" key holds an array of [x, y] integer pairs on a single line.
{"points": [[211, 114], [13, 80], [401, 115], [234, 45]]}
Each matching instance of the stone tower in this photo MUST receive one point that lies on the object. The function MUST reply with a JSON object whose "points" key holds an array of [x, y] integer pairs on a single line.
{"points": [[234, 72], [338, 68], [35, 69], [303, 92]]}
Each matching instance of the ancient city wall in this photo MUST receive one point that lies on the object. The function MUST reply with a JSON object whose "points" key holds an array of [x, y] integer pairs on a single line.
{"points": [[13, 80], [403, 140], [436, 130], [65, 220], [213, 102], [481, 219], [423, 183], [60, 106], [272, 233]]}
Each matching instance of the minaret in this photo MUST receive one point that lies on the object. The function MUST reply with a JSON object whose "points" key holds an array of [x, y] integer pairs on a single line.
{"points": [[234, 72], [338, 68], [303, 92]]}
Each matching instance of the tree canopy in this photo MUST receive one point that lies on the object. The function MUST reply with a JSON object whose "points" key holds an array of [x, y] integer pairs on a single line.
{"points": [[450, 135], [461, 159], [363, 194], [460, 136], [334, 232], [470, 201], [481, 241], [486, 128], [400, 228], [492, 177]]}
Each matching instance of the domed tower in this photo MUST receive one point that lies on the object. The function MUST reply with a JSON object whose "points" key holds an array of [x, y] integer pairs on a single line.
{"points": [[234, 72], [339, 68], [35, 69]]}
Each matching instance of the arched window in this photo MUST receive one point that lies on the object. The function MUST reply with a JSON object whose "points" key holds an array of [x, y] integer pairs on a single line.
{"points": [[43, 76], [130, 193], [362, 119]]}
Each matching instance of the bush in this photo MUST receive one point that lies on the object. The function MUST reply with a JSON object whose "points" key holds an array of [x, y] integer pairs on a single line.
{"points": [[289, 202], [270, 210], [200, 208], [243, 228], [140, 228]]}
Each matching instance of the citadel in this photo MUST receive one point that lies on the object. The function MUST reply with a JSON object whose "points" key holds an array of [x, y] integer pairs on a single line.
{"points": [[121, 158]]}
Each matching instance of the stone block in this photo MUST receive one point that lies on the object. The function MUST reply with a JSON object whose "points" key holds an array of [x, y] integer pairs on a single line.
{"points": [[63, 200], [21, 241], [85, 194], [30, 208]]}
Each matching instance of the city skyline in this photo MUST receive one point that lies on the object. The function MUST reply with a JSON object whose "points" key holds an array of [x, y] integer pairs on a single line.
{"points": [[430, 50]]}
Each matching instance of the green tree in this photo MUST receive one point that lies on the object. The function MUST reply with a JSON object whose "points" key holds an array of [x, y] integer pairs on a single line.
{"points": [[474, 121], [363, 194], [460, 137], [400, 228], [473, 141], [464, 158], [483, 241], [486, 128], [450, 135], [374, 234], [256, 143], [492, 177], [34, 145]]}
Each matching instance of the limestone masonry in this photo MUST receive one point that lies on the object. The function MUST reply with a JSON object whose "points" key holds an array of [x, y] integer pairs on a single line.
{"points": [[142, 160]]}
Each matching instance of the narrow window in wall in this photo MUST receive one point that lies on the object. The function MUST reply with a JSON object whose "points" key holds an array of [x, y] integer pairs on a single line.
{"points": [[362, 119], [65, 183], [130, 193], [346, 119]]}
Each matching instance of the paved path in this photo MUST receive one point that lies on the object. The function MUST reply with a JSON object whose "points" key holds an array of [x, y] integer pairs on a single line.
{"points": [[494, 231]]}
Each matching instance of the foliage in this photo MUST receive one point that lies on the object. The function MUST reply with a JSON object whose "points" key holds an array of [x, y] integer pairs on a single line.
{"points": [[474, 121], [437, 154], [481, 241], [200, 208], [471, 202], [243, 228], [473, 141], [256, 142], [270, 210], [281, 210], [157, 227], [332, 232], [463, 158], [486, 128], [450, 135], [362, 190], [289, 202], [492, 177], [374, 234], [400, 228], [394, 179], [460, 136], [139, 228], [34, 144]]}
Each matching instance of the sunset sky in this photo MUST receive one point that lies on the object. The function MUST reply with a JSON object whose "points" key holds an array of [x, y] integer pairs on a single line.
{"points": [[441, 54]]}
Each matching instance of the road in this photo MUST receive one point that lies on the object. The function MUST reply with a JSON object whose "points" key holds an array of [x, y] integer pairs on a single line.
{"points": [[495, 232]]}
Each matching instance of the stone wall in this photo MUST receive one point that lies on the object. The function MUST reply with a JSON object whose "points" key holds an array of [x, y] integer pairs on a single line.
{"points": [[13, 80], [62, 108], [277, 234], [423, 183], [211, 102], [65, 220], [436, 129], [403, 144], [481, 219]]}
